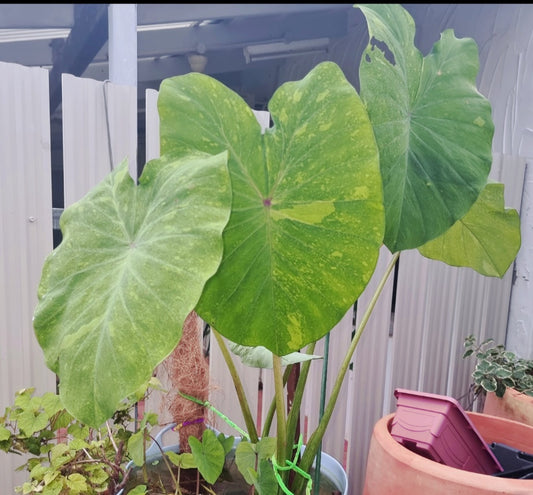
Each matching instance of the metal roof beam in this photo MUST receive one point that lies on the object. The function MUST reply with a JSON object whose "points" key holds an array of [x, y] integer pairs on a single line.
{"points": [[73, 55]]}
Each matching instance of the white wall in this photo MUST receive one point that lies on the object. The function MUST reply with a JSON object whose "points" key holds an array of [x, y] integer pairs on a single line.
{"points": [[505, 39]]}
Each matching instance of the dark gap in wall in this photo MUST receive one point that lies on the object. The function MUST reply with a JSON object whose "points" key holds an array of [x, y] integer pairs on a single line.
{"points": [[394, 292], [354, 327]]}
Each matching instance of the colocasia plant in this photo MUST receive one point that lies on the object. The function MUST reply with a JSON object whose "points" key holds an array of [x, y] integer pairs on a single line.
{"points": [[271, 237]]}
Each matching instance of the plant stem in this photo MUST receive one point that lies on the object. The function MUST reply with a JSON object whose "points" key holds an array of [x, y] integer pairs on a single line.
{"points": [[318, 460], [272, 409], [294, 413], [281, 452], [110, 435], [165, 460], [313, 444], [248, 418]]}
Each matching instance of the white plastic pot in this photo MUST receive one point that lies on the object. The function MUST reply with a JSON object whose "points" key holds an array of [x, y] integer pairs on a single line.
{"points": [[329, 466]]}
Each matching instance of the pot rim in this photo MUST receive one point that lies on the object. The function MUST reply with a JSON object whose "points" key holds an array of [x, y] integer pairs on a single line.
{"points": [[416, 462]]}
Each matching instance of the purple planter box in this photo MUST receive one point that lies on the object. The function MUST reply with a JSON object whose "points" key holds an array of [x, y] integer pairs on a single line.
{"points": [[436, 427]]}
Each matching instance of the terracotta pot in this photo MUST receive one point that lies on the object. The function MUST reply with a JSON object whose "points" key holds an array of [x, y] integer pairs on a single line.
{"points": [[394, 469], [513, 405]]}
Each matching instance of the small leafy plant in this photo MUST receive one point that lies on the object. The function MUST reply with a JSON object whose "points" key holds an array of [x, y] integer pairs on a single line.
{"points": [[498, 369], [66, 456]]}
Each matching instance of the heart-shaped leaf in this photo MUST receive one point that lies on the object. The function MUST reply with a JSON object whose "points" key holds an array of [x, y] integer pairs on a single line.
{"points": [[486, 239], [132, 264], [307, 217], [433, 128], [209, 455]]}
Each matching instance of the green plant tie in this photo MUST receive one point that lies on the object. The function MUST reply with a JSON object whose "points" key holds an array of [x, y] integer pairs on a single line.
{"points": [[207, 404], [292, 465]]}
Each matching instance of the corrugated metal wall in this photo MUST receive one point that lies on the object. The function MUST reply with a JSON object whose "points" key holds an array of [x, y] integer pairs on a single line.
{"points": [[99, 132], [26, 204], [419, 346], [25, 233]]}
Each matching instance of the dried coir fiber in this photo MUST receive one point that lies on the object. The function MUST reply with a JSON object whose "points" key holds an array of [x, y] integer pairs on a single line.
{"points": [[187, 371]]}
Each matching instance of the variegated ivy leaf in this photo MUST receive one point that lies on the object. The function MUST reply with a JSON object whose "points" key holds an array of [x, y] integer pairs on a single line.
{"points": [[261, 357], [433, 128], [307, 216], [131, 266], [4, 434], [32, 419], [486, 239], [77, 483]]}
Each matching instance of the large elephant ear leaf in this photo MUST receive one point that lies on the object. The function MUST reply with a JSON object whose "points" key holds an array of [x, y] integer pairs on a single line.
{"points": [[307, 217], [132, 264], [486, 239], [433, 128]]}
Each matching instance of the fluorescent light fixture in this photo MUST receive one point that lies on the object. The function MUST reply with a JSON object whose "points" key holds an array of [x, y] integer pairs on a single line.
{"points": [[11, 35], [267, 51]]}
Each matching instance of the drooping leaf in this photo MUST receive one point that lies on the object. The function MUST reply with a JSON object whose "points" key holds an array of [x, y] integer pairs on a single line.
{"points": [[227, 442], [266, 479], [138, 490], [433, 128], [249, 455], [266, 447], [132, 264], [307, 216], [486, 239], [261, 357], [184, 460], [136, 447], [246, 460]]}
